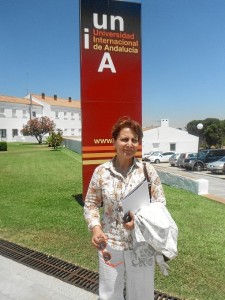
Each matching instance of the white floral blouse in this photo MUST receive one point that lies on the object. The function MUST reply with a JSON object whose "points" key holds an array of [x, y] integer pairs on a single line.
{"points": [[110, 187]]}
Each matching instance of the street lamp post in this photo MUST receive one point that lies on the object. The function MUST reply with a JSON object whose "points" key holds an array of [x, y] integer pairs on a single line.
{"points": [[199, 127]]}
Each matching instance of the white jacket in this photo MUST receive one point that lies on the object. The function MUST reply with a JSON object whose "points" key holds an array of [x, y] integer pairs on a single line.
{"points": [[154, 225]]}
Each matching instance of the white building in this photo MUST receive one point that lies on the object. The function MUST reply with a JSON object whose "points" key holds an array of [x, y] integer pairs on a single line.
{"points": [[15, 112], [66, 114], [165, 138]]}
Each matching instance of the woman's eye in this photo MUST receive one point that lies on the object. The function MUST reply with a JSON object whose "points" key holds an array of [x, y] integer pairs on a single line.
{"points": [[126, 140], [135, 141]]}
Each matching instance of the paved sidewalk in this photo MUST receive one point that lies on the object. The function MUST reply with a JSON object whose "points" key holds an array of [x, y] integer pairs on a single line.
{"points": [[18, 282]]}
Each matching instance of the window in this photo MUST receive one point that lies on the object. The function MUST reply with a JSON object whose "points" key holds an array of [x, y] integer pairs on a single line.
{"points": [[2, 133], [155, 145], [167, 153], [24, 114], [72, 131], [14, 113], [65, 115], [56, 114], [34, 114], [172, 147], [2, 112], [14, 132], [72, 116]]}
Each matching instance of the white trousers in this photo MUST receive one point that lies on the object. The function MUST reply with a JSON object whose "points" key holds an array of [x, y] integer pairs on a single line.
{"points": [[139, 277]]}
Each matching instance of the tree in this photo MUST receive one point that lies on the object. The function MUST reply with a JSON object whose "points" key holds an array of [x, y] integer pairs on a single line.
{"points": [[38, 127], [55, 139], [192, 129], [212, 133]]}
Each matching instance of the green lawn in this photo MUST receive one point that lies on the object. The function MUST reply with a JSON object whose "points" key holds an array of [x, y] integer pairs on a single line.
{"points": [[39, 211]]}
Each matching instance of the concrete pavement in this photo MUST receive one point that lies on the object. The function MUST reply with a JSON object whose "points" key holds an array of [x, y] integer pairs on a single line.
{"points": [[216, 187], [19, 282]]}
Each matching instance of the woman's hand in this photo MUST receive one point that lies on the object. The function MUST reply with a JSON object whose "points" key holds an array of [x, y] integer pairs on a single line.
{"points": [[98, 236], [129, 225]]}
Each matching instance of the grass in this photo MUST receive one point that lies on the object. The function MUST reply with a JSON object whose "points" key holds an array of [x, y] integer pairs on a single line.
{"points": [[39, 211]]}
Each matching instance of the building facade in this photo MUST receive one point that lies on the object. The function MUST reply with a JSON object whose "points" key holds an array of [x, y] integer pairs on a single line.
{"points": [[165, 138], [66, 114], [16, 112]]}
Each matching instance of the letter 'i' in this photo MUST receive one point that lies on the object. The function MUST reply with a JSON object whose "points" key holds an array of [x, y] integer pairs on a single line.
{"points": [[86, 38]]}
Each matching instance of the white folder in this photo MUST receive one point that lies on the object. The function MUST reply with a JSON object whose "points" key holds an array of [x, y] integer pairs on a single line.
{"points": [[137, 198]]}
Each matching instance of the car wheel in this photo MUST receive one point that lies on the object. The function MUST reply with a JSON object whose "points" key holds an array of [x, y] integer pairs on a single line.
{"points": [[157, 161], [198, 167]]}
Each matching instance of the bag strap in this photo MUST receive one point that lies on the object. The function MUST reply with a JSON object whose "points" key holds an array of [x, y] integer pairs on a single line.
{"points": [[148, 180]]}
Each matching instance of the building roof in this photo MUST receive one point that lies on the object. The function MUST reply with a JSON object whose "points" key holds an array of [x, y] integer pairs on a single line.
{"points": [[17, 100], [167, 134], [56, 101]]}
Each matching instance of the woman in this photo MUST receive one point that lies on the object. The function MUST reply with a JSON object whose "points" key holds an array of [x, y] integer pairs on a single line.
{"points": [[119, 260]]}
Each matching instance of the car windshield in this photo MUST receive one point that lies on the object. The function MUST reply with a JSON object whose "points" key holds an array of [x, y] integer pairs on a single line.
{"points": [[202, 154], [156, 154]]}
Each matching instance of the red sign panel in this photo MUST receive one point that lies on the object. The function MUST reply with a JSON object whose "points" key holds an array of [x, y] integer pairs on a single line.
{"points": [[110, 45]]}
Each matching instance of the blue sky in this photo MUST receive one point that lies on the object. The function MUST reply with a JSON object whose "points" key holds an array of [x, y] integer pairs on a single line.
{"points": [[183, 55]]}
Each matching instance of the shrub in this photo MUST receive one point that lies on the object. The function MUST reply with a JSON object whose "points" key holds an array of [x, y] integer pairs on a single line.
{"points": [[3, 146], [49, 141], [55, 139]]}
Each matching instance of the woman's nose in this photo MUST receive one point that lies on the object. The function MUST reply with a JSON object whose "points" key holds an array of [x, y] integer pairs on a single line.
{"points": [[129, 143]]}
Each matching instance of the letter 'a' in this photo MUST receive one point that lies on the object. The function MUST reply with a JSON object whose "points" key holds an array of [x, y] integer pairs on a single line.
{"points": [[107, 63]]}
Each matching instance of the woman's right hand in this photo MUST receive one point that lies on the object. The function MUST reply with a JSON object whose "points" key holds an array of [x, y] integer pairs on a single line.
{"points": [[98, 236]]}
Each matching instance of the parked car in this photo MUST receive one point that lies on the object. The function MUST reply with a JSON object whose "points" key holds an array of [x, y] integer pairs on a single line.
{"points": [[164, 157], [223, 171], [204, 157], [147, 155], [189, 162], [183, 156], [216, 166], [173, 159]]}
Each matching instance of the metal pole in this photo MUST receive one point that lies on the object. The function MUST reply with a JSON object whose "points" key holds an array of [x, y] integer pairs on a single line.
{"points": [[30, 106], [199, 127]]}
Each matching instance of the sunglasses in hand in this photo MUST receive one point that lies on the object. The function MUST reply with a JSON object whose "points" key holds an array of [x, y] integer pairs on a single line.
{"points": [[107, 256]]}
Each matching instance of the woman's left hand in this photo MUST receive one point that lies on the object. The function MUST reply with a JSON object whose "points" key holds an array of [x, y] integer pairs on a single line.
{"points": [[130, 225]]}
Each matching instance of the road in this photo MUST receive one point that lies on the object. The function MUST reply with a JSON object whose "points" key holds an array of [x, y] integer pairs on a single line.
{"points": [[216, 181]]}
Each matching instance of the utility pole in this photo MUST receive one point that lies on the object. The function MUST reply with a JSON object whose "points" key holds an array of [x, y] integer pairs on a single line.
{"points": [[30, 107], [27, 88]]}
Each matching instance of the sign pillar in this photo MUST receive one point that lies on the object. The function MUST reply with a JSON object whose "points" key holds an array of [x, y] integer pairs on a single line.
{"points": [[110, 49]]}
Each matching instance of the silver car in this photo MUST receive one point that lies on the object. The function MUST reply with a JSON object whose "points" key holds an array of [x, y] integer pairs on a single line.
{"points": [[173, 159], [183, 156], [216, 166], [223, 171]]}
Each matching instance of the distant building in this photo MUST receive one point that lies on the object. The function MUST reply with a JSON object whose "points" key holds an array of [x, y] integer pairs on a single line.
{"points": [[15, 112], [165, 138], [66, 114]]}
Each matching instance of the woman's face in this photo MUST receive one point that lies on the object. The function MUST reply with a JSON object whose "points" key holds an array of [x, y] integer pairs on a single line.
{"points": [[126, 143]]}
